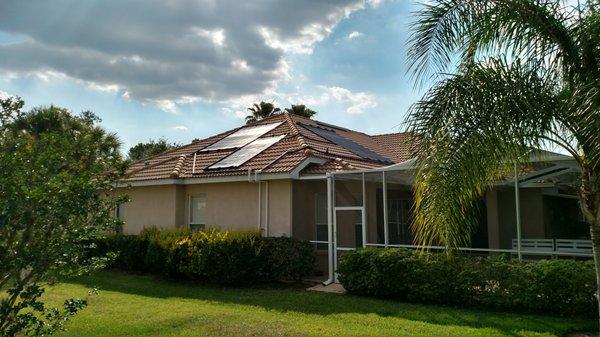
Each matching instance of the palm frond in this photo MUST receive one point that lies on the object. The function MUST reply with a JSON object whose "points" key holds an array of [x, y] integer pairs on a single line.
{"points": [[450, 31], [472, 127]]}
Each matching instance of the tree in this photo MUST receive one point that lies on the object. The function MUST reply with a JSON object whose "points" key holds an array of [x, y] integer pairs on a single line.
{"points": [[53, 166], [261, 110], [527, 76], [301, 110], [151, 148]]}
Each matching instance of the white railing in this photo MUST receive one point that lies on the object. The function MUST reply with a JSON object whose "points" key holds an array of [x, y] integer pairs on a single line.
{"points": [[555, 245], [541, 245], [562, 247], [574, 246]]}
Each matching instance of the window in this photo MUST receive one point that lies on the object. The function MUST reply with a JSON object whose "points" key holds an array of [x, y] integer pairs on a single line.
{"points": [[119, 222], [197, 212], [321, 219], [399, 221]]}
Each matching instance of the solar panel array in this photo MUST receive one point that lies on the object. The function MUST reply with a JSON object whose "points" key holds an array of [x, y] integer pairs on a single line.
{"points": [[241, 137], [346, 143], [247, 152]]}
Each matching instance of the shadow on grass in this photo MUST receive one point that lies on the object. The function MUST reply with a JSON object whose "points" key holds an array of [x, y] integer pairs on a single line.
{"points": [[288, 299]]}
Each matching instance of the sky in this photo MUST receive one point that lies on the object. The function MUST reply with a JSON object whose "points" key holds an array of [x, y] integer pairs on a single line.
{"points": [[189, 69]]}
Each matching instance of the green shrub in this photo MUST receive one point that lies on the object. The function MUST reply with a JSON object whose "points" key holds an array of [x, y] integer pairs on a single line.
{"points": [[220, 257], [227, 258], [158, 257], [564, 287], [289, 259], [129, 251]]}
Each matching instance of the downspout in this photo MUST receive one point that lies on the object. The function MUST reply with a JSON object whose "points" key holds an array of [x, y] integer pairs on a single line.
{"points": [[518, 211], [259, 206], [267, 208], [257, 180], [329, 231]]}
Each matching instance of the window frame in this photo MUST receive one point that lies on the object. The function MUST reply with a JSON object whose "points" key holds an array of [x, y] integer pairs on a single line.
{"points": [[320, 246], [201, 226]]}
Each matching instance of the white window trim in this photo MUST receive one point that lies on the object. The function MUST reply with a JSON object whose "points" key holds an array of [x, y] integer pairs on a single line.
{"points": [[317, 223], [189, 222]]}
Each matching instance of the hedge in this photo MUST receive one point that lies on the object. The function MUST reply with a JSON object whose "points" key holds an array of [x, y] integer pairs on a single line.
{"points": [[563, 287], [212, 256]]}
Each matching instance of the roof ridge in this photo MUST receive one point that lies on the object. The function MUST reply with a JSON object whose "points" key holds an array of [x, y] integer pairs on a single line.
{"points": [[178, 166], [392, 133], [296, 134]]}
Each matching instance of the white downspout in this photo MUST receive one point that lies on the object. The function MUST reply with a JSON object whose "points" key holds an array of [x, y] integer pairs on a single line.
{"points": [[267, 208], [256, 179], [518, 211], [329, 230], [364, 212], [386, 234]]}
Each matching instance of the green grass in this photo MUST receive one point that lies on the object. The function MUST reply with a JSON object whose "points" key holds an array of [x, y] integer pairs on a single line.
{"points": [[133, 305]]}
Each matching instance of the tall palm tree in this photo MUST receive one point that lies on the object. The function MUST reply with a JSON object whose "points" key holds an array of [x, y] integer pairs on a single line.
{"points": [[261, 110], [301, 110], [527, 75]]}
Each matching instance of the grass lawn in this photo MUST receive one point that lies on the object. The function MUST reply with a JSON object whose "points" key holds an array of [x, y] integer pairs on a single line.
{"points": [[132, 305]]}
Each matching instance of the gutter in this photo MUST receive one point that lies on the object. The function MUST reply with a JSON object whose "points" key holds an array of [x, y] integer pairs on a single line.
{"points": [[257, 179]]}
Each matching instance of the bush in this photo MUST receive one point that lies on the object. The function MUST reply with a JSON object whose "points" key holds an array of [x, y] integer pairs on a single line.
{"points": [[220, 257], [564, 287], [289, 259], [129, 251], [228, 258]]}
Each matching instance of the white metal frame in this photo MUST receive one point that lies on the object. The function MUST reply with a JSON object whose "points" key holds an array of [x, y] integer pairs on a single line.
{"points": [[408, 166]]}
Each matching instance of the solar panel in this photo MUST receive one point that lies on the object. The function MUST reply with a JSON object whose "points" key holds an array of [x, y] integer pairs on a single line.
{"points": [[247, 152], [241, 137], [346, 143]]}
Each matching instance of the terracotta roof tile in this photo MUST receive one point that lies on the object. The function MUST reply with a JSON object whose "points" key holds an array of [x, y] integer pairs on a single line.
{"points": [[283, 157]]}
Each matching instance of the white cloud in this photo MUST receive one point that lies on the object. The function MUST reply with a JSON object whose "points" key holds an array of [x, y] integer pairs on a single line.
{"points": [[166, 105], [355, 35], [355, 102], [166, 52], [322, 99], [216, 36], [4, 95], [180, 128]]}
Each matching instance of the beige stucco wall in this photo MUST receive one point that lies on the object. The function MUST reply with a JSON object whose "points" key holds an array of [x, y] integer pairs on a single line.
{"points": [[150, 206], [232, 205], [501, 212], [279, 216]]}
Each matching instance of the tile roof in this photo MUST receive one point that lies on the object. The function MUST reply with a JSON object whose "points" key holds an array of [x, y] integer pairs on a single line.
{"points": [[284, 156]]}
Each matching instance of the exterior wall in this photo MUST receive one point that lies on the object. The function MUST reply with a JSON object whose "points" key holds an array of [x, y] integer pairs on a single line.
{"points": [[228, 206], [304, 207], [279, 210], [501, 212], [150, 206]]}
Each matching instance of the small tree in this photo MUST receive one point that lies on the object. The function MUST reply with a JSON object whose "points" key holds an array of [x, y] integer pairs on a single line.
{"points": [[261, 110], [301, 110], [151, 148], [53, 166]]}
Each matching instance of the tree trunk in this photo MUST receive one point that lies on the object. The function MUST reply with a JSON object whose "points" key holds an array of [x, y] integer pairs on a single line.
{"points": [[595, 235], [590, 207]]}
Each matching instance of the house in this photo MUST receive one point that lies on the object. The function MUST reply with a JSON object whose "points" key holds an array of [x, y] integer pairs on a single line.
{"points": [[288, 175]]}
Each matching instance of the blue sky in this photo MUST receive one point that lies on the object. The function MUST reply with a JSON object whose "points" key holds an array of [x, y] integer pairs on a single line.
{"points": [[348, 64]]}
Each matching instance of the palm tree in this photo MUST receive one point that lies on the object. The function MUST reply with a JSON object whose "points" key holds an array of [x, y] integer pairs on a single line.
{"points": [[527, 76], [261, 110], [301, 110]]}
